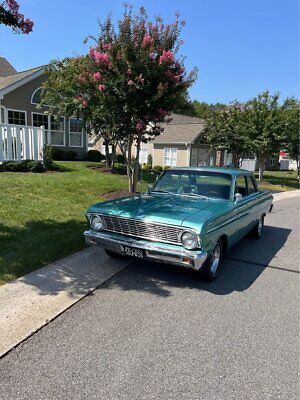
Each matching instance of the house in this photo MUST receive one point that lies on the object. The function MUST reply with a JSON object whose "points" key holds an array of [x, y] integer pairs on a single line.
{"points": [[181, 144], [20, 93]]}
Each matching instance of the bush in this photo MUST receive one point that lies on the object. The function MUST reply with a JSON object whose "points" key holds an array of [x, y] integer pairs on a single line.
{"points": [[120, 169], [23, 166], [147, 167], [57, 154], [94, 156], [166, 167], [48, 157], [150, 159], [120, 159], [70, 155], [157, 169]]}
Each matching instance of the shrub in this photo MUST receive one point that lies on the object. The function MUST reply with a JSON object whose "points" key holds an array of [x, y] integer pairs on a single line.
{"points": [[48, 157], [120, 159], [150, 159], [70, 155], [94, 156], [157, 169], [166, 167], [58, 154], [120, 169], [23, 166], [147, 167]]}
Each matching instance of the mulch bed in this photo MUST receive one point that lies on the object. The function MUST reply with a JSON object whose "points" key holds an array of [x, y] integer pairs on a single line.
{"points": [[117, 194]]}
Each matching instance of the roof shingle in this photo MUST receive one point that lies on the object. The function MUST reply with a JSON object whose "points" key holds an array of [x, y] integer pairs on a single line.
{"points": [[8, 80], [182, 129], [6, 68]]}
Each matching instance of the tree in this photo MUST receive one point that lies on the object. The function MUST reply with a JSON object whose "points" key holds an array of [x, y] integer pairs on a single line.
{"points": [[10, 16], [291, 114], [265, 126], [127, 85], [225, 129]]}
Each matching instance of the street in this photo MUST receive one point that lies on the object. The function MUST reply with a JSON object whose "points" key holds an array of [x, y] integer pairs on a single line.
{"points": [[158, 332]]}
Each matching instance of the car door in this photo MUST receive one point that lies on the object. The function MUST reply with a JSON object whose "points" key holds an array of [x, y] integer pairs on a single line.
{"points": [[244, 207]]}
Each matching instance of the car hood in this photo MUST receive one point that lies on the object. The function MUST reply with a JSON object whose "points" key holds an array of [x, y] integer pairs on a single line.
{"points": [[173, 210]]}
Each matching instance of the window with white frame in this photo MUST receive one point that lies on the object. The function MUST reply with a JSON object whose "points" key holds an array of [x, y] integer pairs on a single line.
{"points": [[37, 96], [143, 158], [170, 156], [75, 132], [16, 117], [39, 119], [103, 149], [57, 134]]}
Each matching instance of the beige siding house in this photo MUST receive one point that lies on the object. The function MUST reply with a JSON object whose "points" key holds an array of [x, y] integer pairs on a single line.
{"points": [[20, 92], [180, 145]]}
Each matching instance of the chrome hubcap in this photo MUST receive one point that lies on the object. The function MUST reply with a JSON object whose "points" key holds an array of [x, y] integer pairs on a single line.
{"points": [[216, 254]]}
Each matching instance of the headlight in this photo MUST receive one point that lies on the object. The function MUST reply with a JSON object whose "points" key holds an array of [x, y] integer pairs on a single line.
{"points": [[96, 223], [189, 240]]}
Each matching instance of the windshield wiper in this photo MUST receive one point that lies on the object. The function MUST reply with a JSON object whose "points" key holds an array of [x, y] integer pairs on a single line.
{"points": [[195, 195]]}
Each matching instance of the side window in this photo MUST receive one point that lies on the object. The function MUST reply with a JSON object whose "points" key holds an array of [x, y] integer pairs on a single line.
{"points": [[241, 186], [251, 186]]}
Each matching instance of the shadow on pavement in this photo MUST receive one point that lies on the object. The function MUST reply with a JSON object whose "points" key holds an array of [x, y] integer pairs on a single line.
{"points": [[236, 275]]}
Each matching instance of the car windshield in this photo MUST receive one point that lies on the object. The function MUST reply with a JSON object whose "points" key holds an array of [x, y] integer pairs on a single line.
{"points": [[203, 184]]}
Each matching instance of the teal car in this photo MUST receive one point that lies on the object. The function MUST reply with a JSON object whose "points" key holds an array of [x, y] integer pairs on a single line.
{"points": [[190, 217]]}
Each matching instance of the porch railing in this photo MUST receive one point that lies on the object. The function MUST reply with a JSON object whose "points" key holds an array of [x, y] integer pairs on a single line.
{"points": [[19, 142]]}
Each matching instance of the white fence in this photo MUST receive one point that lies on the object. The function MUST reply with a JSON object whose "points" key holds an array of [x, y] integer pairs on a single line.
{"points": [[19, 142]]}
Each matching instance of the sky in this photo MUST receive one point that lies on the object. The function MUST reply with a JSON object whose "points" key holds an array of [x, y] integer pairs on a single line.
{"points": [[240, 47]]}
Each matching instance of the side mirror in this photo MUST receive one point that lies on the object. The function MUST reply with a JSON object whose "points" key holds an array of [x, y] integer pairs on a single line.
{"points": [[238, 197]]}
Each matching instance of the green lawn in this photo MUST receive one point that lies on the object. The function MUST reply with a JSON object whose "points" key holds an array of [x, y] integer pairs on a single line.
{"points": [[42, 215], [279, 181]]}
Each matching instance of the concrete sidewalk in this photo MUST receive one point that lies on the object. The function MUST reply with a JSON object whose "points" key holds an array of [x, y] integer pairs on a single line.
{"points": [[30, 302]]}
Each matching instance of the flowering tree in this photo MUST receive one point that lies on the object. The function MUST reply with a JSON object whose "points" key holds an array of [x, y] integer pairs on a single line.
{"points": [[126, 85], [10, 16]]}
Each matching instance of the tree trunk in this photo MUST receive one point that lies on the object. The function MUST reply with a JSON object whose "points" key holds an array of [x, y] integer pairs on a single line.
{"points": [[261, 167], [298, 168], [136, 169], [107, 155], [235, 160], [129, 168], [113, 156]]}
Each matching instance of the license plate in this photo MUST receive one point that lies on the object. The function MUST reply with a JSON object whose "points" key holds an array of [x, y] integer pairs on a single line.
{"points": [[132, 252]]}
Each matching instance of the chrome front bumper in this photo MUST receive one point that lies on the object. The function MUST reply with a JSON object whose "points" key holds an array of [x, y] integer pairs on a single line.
{"points": [[154, 251]]}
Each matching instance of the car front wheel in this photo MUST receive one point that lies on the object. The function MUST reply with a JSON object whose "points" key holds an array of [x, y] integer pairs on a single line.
{"points": [[212, 265]]}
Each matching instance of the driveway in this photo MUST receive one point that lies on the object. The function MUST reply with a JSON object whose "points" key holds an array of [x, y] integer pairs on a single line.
{"points": [[157, 332]]}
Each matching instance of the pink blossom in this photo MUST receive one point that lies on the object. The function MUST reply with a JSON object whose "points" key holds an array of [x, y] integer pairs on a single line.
{"points": [[99, 57], [106, 46], [177, 78], [85, 103], [129, 71], [130, 82], [101, 88], [167, 56], [97, 76], [152, 55], [140, 125], [147, 40], [140, 79]]}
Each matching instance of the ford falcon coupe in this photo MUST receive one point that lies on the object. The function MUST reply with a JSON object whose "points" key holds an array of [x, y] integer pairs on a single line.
{"points": [[190, 217]]}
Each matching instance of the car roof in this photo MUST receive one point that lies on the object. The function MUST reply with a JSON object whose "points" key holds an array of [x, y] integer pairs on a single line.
{"points": [[230, 171]]}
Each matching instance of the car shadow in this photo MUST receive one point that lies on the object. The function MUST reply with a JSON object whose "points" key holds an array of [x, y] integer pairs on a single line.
{"points": [[242, 265]]}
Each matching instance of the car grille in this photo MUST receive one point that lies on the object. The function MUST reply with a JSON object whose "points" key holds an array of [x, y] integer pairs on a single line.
{"points": [[143, 230]]}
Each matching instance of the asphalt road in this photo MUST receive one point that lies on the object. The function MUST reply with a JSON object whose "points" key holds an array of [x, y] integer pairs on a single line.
{"points": [[156, 332]]}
